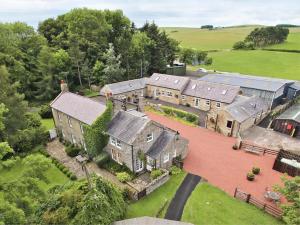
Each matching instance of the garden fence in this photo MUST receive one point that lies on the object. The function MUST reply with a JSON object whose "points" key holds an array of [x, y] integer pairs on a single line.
{"points": [[254, 148], [248, 198]]}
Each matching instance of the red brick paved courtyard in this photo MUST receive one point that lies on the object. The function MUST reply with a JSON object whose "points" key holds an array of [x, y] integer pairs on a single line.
{"points": [[212, 157]]}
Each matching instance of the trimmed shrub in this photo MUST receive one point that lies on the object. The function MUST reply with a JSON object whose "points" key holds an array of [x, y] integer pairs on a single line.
{"points": [[45, 111], [123, 177], [114, 167], [191, 118], [155, 173], [101, 159], [256, 170], [250, 176], [174, 170], [73, 177], [72, 150], [65, 170]]}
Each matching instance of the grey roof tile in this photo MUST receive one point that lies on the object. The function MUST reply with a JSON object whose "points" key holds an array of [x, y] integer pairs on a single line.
{"points": [[79, 107], [126, 126], [125, 86], [292, 113], [246, 107], [212, 91], [247, 81], [168, 81], [160, 143]]}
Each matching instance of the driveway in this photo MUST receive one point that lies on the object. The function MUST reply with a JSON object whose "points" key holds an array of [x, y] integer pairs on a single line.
{"points": [[211, 156]]}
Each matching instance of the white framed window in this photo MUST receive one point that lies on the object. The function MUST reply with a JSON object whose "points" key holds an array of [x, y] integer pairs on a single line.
{"points": [[84, 145], [166, 157], [73, 139], [113, 141], [174, 155], [207, 102], [169, 94], [149, 137], [183, 97], [63, 133], [218, 104], [197, 102], [81, 128], [115, 155], [70, 122], [59, 116], [118, 144], [139, 165]]}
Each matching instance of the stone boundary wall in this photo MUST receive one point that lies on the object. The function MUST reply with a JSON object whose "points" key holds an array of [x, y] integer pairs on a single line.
{"points": [[157, 182]]}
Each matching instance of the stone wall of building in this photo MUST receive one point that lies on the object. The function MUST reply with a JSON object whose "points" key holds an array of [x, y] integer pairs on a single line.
{"points": [[162, 94]]}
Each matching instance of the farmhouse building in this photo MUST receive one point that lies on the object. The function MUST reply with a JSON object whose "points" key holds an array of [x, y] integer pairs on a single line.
{"points": [[130, 89], [242, 114], [271, 90], [70, 112], [288, 122], [141, 143]]}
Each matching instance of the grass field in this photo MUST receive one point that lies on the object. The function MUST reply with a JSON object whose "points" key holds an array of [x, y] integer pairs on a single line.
{"points": [[53, 175], [264, 63], [292, 43], [48, 123], [210, 205], [149, 205]]}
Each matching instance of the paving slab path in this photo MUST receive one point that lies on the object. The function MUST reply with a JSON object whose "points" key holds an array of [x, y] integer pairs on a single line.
{"points": [[175, 209]]}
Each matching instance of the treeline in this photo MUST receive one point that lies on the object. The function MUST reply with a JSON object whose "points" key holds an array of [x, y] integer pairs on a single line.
{"points": [[194, 57], [264, 36], [83, 47]]}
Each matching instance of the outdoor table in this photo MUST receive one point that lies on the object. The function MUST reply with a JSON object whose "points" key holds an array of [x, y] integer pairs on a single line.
{"points": [[274, 196]]}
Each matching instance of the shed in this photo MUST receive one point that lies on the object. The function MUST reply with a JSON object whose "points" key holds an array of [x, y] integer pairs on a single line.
{"points": [[288, 122], [287, 162], [293, 91]]}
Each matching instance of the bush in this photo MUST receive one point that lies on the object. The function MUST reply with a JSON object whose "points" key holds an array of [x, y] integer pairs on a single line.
{"points": [[191, 118], [256, 170], [45, 111], [65, 170], [73, 177], [123, 177], [155, 173], [101, 159], [250, 176], [8, 164], [239, 45], [235, 147], [174, 170], [72, 150], [114, 167], [208, 61]]}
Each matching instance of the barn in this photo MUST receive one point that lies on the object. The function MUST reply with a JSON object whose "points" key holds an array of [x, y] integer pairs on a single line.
{"points": [[271, 90], [288, 122]]}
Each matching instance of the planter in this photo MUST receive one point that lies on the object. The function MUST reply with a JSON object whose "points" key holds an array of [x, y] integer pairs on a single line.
{"points": [[250, 176], [256, 170]]}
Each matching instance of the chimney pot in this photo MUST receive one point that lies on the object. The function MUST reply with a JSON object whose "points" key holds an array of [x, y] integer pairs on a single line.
{"points": [[63, 86]]}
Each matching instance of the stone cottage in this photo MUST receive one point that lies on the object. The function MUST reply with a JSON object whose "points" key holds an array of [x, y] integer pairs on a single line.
{"points": [[142, 144], [70, 112]]}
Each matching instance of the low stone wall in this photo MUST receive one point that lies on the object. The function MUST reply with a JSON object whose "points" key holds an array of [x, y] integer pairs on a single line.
{"points": [[157, 182]]}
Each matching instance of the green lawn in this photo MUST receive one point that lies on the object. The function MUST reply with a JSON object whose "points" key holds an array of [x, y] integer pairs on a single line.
{"points": [[149, 205], [48, 123], [262, 63], [90, 93], [54, 176], [292, 43], [210, 205]]}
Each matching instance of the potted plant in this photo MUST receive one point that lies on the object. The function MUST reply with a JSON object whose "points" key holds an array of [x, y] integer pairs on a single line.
{"points": [[250, 176], [235, 147], [255, 170]]}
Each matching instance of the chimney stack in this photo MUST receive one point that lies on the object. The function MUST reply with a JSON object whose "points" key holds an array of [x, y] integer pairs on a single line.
{"points": [[63, 86]]}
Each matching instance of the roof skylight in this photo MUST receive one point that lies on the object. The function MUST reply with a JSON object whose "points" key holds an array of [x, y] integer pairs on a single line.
{"points": [[176, 81], [224, 92], [157, 78], [194, 86]]}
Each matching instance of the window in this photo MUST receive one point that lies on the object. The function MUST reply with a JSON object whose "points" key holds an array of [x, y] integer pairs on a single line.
{"points": [[118, 144], [218, 104], [73, 139], [139, 165], [113, 141], [169, 94], [162, 93], [183, 97], [174, 155], [166, 157], [207, 102], [229, 124], [197, 101], [81, 128], [149, 137], [63, 133], [84, 145], [69, 122], [59, 116]]}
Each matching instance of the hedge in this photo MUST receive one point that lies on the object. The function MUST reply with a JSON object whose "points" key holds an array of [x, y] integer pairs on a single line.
{"points": [[101, 159], [192, 118]]}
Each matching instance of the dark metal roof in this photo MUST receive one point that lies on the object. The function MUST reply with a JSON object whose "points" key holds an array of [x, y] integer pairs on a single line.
{"points": [[247, 81], [126, 126], [125, 86], [168, 81], [79, 107], [292, 113], [161, 143], [212, 91], [246, 107], [296, 86]]}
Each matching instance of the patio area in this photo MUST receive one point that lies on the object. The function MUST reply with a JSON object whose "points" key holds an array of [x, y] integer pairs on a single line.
{"points": [[211, 156]]}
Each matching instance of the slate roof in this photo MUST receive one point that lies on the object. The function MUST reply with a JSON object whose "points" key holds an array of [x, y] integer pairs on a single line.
{"points": [[79, 107], [213, 91], [125, 86], [246, 107], [161, 143], [292, 113], [146, 220], [247, 81], [168, 81], [296, 86], [126, 126]]}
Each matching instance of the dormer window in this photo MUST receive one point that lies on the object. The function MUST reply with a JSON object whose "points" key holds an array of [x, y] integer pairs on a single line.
{"points": [[118, 144], [149, 137], [113, 141]]}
